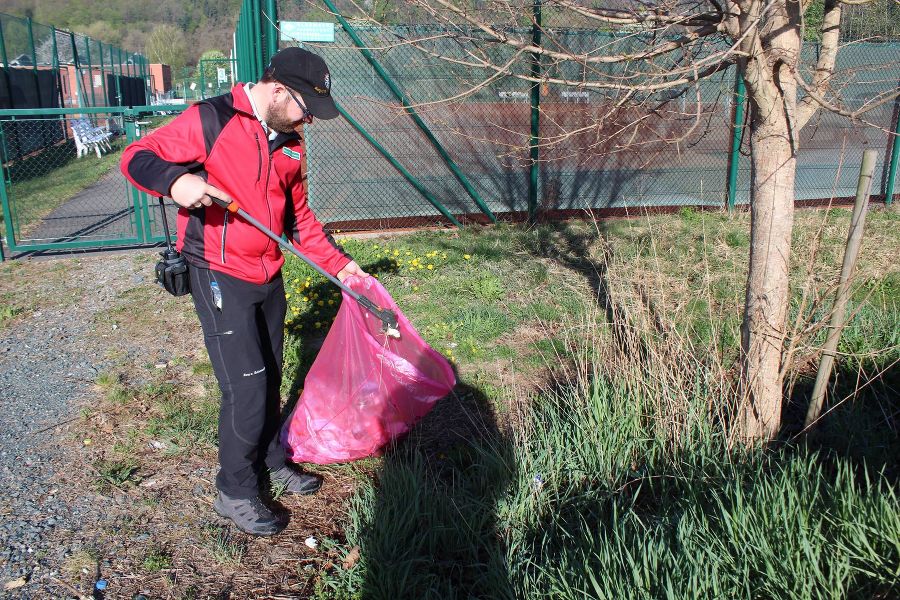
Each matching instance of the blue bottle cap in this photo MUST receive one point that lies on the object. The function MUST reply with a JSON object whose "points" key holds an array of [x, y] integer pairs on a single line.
{"points": [[101, 584]]}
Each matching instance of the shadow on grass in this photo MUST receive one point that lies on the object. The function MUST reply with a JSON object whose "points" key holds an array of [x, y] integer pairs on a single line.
{"points": [[427, 525], [431, 528], [860, 420]]}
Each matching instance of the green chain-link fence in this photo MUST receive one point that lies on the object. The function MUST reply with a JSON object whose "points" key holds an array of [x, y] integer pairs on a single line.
{"points": [[45, 67], [70, 193], [486, 133], [211, 77]]}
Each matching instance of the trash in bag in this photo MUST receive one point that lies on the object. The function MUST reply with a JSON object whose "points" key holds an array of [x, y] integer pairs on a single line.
{"points": [[364, 388]]}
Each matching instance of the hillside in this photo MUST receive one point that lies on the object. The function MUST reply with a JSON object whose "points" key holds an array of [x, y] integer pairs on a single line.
{"points": [[207, 24]]}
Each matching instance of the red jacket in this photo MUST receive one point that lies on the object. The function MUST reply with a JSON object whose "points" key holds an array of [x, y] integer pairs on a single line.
{"points": [[221, 139]]}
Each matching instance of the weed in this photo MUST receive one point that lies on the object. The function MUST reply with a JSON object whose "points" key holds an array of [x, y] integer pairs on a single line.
{"points": [[224, 548], [8, 313], [737, 239], [202, 368], [156, 559], [118, 473]]}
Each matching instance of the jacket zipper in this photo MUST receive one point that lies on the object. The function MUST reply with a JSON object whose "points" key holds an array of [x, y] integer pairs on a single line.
{"points": [[258, 158], [262, 261], [224, 229]]}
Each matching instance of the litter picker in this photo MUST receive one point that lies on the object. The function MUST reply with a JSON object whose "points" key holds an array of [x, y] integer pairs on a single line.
{"points": [[387, 317]]}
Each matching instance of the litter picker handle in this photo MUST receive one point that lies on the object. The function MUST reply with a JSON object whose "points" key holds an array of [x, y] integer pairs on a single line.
{"points": [[387, 317], [165, 220]]}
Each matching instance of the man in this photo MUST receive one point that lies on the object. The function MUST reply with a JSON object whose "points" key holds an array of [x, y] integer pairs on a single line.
{"points": [[244, 146]]}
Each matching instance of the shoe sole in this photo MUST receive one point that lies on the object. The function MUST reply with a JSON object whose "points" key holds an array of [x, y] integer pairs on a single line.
{"points": [[221, 513]]}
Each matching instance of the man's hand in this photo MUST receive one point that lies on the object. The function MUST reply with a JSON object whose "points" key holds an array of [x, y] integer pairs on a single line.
{"points": [[191, 191], [351, 269]]}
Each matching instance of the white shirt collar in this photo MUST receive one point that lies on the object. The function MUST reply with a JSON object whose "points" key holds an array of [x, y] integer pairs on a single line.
{"points": [[270, 133]]}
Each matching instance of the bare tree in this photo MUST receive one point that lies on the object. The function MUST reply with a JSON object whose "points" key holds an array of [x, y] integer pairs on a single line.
{"points": [[663, 50]]}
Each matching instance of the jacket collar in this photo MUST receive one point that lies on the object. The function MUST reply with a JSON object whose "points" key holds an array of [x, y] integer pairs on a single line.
{"points": [[242, 104], [240, 100]]}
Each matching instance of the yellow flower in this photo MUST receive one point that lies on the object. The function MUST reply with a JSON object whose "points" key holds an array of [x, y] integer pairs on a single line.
{"points": [[430, 267], [305, 299], [318, 323], [287, 296], [467, 256], [331, 303], [320, 303], [415, 288]]}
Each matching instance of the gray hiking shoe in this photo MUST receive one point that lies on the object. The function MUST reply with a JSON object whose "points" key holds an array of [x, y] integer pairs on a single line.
{"points": [[249, 515], [289, 481]]}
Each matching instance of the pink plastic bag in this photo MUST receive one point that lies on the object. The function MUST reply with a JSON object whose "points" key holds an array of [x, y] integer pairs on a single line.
{"points": [[364, 388]]}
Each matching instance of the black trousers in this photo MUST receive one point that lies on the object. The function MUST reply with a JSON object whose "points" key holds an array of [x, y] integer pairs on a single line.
{"points": [[243, 327]]}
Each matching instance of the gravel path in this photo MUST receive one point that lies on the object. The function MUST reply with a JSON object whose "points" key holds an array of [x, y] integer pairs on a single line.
{"points": [[49, 360]]}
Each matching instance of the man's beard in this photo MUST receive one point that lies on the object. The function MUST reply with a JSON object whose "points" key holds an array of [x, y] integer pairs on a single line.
{"points": [[278, 120]]}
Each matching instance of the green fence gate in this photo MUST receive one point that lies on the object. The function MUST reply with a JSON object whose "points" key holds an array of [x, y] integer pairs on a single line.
{"points": [[62, 188]]}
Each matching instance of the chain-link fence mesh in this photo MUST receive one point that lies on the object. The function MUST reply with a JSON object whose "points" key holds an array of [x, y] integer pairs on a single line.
{"points": [[68, 191], [44, 67], [598, 149], [210, 77], [831, 144], [71, 188]]}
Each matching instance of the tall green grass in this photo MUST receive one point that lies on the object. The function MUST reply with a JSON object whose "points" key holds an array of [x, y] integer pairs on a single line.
{"points": [[620, 477], [620, 480]]}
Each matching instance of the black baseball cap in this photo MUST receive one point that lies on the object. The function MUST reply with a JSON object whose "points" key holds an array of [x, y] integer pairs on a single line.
{"points": [[307, 73]]}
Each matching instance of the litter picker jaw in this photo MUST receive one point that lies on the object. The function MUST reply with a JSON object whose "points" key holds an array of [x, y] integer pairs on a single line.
{"points": [[388, 318]]}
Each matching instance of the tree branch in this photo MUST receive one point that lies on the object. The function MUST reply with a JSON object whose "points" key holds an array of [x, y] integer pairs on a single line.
{"points": [[831, 37]]}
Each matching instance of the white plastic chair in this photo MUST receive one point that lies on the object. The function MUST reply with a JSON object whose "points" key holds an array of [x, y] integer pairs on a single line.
{"points": [[87, 137]]}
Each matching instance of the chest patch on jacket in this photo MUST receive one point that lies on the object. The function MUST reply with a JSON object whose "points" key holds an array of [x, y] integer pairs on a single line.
{"points": [[290, 153]]}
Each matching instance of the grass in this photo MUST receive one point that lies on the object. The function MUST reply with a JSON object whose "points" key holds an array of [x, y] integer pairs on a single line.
{"points": [[116, 473], [34, 195], [225, 547], [614, 474], [157, 559], [587, 451]]}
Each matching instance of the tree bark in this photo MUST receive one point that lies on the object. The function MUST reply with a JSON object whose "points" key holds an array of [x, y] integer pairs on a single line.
{"points": [[767, 300]]}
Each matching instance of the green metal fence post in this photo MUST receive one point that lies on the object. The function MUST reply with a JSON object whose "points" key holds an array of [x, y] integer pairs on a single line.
{"points": [[5, 180], [55, 66], [79, 85], [895, 155], [411, 111], [5, 61], [34, 69], [271, 31], [117, 75], [535, 112], [87, 48], [736, 134], [396, 164], [257, 41], [103, 74], [31, 43]]}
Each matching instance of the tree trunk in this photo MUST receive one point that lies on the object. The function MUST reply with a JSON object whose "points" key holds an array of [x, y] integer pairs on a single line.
{"points": [[765, 317]]}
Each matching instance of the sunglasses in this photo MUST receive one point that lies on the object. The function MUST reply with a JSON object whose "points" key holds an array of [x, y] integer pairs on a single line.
{"points": [[307, 116]]}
